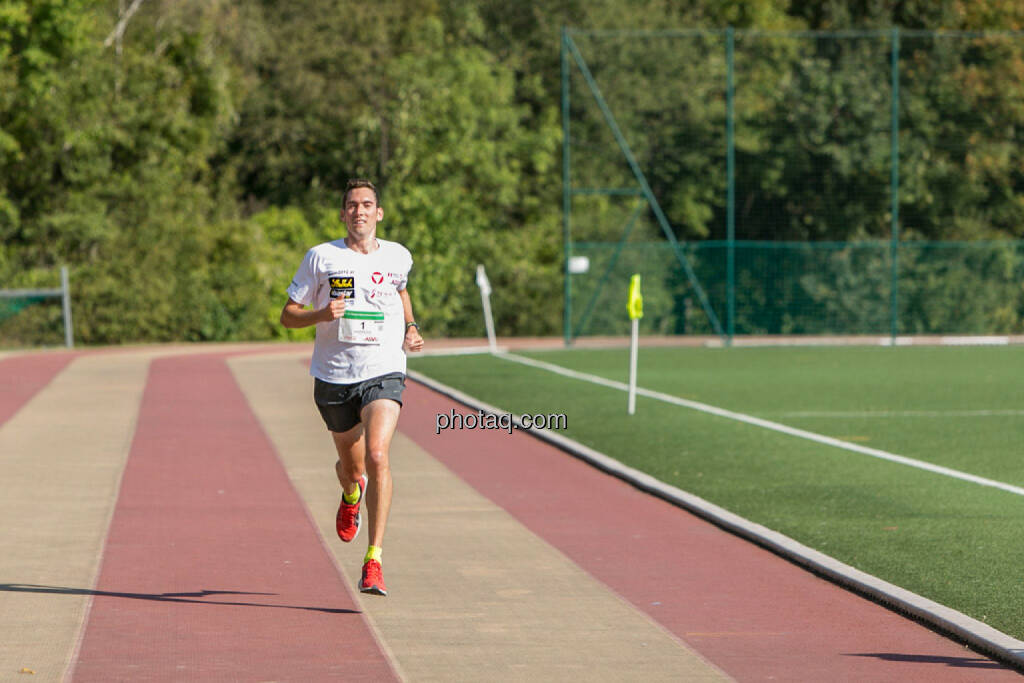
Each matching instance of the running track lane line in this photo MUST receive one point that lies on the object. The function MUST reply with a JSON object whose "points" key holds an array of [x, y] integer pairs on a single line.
{"points": [[745, 608], [766, 424], [212, 569]]}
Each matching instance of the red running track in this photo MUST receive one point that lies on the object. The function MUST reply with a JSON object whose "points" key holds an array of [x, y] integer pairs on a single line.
{"points": [[755, 615], [212, 569]]}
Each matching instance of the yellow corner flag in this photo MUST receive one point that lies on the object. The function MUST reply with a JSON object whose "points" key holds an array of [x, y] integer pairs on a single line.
{"points": [[636, 302]]}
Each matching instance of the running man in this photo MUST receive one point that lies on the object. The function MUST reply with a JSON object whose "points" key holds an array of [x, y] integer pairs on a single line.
{"points": [[356, 287]]}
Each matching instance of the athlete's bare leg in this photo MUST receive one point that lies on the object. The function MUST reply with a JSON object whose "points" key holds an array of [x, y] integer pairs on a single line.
{"points": [[380, 418], [351, 457]]}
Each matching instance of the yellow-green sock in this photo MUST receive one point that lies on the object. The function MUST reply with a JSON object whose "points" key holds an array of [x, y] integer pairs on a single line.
{"points": [[354, 497], [373, 553]]}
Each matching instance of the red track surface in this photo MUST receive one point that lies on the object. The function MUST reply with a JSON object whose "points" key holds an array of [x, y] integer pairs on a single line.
{"points": [[755, 615], [212, 569], [21, 377]]}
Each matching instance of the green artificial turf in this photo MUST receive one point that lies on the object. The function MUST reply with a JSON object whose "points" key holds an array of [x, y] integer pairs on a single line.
{"points": [[956, 542]]}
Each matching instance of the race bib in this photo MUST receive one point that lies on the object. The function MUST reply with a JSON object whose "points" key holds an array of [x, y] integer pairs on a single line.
{"points": [[361, 327]]}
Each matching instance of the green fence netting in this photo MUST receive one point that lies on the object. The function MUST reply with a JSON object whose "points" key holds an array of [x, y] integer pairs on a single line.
{"points": [[29, 320], [859, 182], [822, 288]]}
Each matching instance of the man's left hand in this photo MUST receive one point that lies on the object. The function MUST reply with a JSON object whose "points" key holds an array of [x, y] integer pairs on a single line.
{"points": [[413, 340]]}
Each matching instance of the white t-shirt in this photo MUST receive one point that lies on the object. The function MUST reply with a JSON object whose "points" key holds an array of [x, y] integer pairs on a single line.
{"points": [[370, 284]]}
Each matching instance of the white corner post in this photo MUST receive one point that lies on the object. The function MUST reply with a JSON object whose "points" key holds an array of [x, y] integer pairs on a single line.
{"points": [[632, 364], [635, 307], [485, 299]]}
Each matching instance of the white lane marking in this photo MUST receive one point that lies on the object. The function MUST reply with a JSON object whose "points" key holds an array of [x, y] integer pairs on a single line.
{"points": [[903, 413]]}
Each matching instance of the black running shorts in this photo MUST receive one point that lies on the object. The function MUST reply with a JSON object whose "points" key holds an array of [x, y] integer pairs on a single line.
{"points": [[341, 404]]}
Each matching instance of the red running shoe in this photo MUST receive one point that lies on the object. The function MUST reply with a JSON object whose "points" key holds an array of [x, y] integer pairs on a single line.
{"points": [[372, 581], [348, 520]]}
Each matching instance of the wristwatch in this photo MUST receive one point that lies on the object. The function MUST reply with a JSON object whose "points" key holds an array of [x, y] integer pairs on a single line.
{"points": [[412, 324]]}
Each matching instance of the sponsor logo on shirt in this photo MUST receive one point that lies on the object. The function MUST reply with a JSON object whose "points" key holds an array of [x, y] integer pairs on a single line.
{"points": [[343, 286], [380, 293], [377, 278]]}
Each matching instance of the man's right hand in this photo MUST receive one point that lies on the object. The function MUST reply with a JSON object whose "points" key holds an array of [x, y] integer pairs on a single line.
{"points": [[333, 310]]}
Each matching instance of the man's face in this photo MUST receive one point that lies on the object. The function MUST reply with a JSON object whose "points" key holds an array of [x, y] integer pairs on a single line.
{"points": [[361, 213]]}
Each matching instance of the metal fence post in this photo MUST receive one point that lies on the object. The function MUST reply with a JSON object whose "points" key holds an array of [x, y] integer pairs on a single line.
{"points": [[730, 164], [65, 285], [566, 189], [894, 189]]}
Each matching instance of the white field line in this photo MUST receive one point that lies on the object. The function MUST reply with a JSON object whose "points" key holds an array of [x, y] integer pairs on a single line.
{"points": [[766, 424], [904, 413], [460, 351]]}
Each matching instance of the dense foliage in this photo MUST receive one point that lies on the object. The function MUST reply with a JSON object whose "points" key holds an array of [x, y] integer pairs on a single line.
{"points": [[183, 166]]}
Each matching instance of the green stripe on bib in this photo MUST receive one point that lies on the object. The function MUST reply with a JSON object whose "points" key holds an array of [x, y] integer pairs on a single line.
{"points": [[363, 315]]}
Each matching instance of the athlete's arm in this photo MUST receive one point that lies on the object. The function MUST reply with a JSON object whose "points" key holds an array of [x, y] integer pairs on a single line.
{"points": [[413, 340], [294, 315]]}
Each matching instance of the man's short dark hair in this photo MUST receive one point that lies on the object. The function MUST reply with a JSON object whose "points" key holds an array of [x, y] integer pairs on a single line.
{"points": [[359, 182]]}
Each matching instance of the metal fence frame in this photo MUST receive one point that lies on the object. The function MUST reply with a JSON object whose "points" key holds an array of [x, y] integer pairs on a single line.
{"points": [[64, 292], [570, 54]]}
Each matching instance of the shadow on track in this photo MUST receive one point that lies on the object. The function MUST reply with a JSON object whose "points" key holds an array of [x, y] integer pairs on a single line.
{"points": [[165, 597], [976, 662]]}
